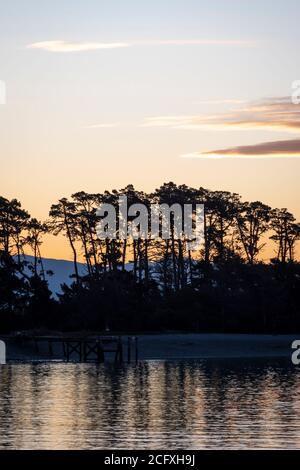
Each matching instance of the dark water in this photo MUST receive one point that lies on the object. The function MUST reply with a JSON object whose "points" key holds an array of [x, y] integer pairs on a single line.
{"points": [[171, 405]]}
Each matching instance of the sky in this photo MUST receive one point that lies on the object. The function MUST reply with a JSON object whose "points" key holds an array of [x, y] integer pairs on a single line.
{"points": [[100, 94]]}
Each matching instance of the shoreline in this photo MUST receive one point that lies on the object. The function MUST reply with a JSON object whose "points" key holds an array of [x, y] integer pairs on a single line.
{"points": [[176, 346]]}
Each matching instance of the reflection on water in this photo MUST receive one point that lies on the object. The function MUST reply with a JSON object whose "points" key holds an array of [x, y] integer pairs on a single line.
{"points": [[171, 405]]}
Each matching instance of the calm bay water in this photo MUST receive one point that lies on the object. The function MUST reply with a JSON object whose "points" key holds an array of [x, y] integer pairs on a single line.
{"points": [[171, 405]]}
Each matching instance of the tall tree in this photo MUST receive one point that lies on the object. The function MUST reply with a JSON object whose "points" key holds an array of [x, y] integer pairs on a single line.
{"points": [[286, 234], [253, 221], [13, 224], [63, 220], [36, 230]]}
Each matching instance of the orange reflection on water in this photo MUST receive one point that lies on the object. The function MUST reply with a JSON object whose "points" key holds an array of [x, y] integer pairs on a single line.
{"points": [[171, 405]]}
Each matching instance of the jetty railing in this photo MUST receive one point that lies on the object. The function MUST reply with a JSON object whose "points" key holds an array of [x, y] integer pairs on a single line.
{"points": [[87, 348]]}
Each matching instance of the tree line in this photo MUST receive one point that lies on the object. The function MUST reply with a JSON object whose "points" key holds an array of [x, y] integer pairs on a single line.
{"points": [[156, 284]]}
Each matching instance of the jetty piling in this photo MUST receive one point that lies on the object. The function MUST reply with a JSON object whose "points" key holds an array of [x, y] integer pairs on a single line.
{"points": [[132, 342]]}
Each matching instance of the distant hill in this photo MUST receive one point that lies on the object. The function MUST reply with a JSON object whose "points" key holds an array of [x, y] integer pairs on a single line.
{"points": [[62, 270]]}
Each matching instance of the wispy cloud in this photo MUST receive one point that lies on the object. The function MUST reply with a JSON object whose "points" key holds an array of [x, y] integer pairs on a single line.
{"points": [[195, 42], [224, 101], [278, 114], [175, 122], [65, 46], [103, 125], [279, 148]]}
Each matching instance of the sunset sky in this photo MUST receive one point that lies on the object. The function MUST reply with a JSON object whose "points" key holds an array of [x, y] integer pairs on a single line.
{"points": [[105, 93]]}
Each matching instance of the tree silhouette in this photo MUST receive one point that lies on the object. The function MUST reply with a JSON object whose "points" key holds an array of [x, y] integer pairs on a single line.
{"points": [[253, 219], [63, 218], [286, 234], [144, 283]]}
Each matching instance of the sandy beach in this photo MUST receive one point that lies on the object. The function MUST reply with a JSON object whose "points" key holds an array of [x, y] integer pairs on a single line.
{"points": [[177, 346]]}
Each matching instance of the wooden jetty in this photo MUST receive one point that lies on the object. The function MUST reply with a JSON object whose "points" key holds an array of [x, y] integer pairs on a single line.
{"points": [[87, 348]]}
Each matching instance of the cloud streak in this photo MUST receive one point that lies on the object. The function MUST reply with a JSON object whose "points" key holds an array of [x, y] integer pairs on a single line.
{"points": [[278, 114], [280, 148], [65, 46], [194, 42], [225, 101]]}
